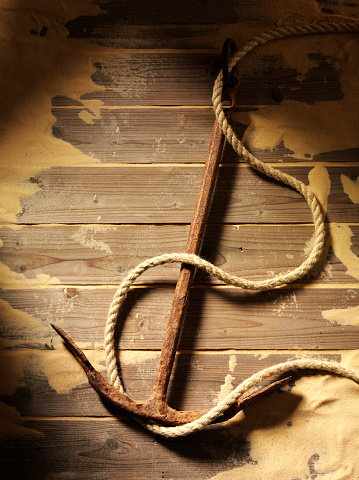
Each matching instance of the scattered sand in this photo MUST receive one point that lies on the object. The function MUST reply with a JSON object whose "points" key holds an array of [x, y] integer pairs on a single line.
{"points": [[226, 388], [48, 65], [19, 330], [263, 355], [232, 363], [38, 67], [92, 112], [85, 236], [341, 234], [62, 370], [331, 122], [11, 424], [10, 279], [343, 316], [319, 183], [128, 357], [18, 327], [310, 431], [351, 188]]}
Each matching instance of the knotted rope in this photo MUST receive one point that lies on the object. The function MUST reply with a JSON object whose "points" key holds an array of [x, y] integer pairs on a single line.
{"points": [[303, 269]]}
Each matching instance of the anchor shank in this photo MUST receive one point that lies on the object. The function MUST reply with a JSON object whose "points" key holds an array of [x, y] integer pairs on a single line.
{"points": [[187, 272]]}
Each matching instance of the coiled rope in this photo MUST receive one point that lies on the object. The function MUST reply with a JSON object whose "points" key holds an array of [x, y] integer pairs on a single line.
{"points": [[303, 269]]}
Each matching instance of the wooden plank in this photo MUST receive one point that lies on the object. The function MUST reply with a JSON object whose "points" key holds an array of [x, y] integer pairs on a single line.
{"points": [[195, 24], [73, 447], [166, 194], [104, 254], [119, 448], [217, 318], [135, 13], [91, 247], [131, 136], [179, 135], [134, 78], [196, 380], [62, 447]]}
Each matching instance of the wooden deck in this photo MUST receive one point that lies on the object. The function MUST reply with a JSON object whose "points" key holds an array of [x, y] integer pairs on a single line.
{"points": [[115, 111]]}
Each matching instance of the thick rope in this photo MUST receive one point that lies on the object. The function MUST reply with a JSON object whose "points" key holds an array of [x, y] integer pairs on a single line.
{"points": [[297, 273]]}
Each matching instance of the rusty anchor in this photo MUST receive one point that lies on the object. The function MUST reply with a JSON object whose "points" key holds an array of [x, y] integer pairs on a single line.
{"points": [[155, 407]]}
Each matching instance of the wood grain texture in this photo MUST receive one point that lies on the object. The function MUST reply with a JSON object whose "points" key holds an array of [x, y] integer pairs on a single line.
{"points": [[70, 446], [179, 135], [102, 255], [195, 383], [116, 195], [187, 78], [147, 118], [217, 318], [195, 24], [118, 448]]}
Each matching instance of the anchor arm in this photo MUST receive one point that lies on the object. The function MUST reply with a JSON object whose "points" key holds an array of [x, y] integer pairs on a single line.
{"points": [[96, 380], [161, 412]]}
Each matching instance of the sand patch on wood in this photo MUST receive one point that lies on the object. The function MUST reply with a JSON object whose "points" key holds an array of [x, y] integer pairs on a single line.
{"points": [[39, 67], [343, 316], [308, 129], [351, 188], [308, 431], [340, 234], [11, 423]]}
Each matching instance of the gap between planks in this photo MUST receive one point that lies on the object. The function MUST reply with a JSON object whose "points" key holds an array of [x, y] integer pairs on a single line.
{"points": [[145, 51], [126, 225], [109, 418], [278, 164], [244, 351], [141, 107], [16, 226], [179, 106], [170, 286]]}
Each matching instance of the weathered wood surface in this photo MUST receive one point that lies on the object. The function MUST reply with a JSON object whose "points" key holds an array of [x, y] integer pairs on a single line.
{"points": [[79, 447], [196, 382], [104, 254], [195, 24], [179, 135], [119, 448], [217, 318], [116, 195], [163, 79], [147, 117]]}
